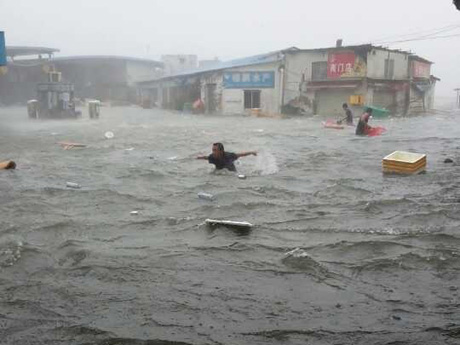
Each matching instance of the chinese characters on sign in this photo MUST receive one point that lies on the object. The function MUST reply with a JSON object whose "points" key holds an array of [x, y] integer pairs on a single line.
{"points": [[420, 69], [345, 65], [260, 79], [339, 64]]}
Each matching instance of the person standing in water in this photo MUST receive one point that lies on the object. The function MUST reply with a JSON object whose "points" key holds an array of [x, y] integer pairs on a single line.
{"points": [[348, 114], [222, 159], [363, 128]]}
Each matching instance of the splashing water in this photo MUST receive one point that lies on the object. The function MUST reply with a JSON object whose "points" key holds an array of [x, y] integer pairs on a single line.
{"points": [[265, 164], [10, 252]]}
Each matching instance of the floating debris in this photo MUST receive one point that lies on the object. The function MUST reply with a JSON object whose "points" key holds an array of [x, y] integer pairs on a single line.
{"points": [[68, 145], [109, 135], [205, 196], [73, 185]]}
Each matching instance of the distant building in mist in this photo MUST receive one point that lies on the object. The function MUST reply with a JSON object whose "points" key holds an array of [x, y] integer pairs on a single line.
{"points": [[107, 78], [208, 63], [308, 81], [24, 69], [179, 63]]}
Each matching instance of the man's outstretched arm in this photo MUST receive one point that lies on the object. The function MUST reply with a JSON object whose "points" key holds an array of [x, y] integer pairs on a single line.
{"points": [[248, 153]]}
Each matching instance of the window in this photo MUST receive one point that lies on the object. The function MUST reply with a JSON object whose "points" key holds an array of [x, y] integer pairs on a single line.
{"points": [[389, 68], [319, 70], [251, 99]]}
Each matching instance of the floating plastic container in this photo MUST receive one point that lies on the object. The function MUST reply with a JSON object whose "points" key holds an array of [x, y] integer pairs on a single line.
{"points": [[73, 185], [205, 196], [405, 163]]}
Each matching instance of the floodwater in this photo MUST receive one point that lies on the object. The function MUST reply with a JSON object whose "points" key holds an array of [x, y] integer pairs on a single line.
{"points": [[339, 254]]}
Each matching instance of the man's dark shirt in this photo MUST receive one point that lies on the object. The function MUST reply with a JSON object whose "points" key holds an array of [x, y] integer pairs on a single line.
{"points": [[225, 162], [349, 114]]}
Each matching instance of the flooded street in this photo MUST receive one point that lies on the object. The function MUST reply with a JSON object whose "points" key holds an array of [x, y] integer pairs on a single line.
{"points": [[339, 254]]}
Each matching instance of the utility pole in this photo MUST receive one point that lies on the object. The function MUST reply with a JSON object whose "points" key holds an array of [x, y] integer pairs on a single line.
{"points": [[458, 97]]}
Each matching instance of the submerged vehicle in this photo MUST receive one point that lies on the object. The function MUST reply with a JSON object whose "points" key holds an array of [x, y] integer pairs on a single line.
{"points": [[55, 99]]}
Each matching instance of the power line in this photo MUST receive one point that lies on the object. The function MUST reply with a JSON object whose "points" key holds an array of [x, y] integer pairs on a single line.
{"points": [[418, 33], [421, 39]]}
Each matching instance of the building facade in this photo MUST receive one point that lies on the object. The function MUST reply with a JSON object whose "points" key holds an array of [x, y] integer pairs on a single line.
{"points": [[311, 81], [324, 79], [174, 64], [233, 87], [107, 78]]}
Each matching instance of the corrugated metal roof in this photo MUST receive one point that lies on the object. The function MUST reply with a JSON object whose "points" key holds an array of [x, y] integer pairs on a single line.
{"points": [[418, 58], [247, 61], [367, 46], [105, 57], [25, 51]]}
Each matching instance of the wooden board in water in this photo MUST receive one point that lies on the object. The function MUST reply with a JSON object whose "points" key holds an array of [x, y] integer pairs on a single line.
{"points": [[228, 223]]}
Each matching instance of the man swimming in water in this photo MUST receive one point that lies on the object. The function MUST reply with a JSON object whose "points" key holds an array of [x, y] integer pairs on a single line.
{"points": [[222, 159]]}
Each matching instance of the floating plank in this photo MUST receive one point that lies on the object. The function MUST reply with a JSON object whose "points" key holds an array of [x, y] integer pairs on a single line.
{"points": [[68, 145], [230, 223]]}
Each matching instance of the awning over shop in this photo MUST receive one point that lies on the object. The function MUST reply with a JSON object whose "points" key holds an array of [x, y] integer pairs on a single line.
{"points": [[333, 86]]}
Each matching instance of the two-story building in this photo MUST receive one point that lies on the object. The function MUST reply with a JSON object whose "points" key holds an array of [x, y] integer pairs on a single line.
{"points": [[361, 75]]}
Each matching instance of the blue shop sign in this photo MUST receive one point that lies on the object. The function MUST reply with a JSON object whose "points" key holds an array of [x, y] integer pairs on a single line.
{"points": [[2, 49], [239, 80]]}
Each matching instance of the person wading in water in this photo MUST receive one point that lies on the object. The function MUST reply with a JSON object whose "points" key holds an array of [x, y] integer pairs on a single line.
{"points": [[363, 128], [222, 159]]}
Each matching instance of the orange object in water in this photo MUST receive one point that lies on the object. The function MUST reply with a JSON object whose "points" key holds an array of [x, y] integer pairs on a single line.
{"points": [[7, 165], [375, 131]]}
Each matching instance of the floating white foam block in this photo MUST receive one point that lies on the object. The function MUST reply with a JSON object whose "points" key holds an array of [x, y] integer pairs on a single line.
{"points": [[109, 135], [73, 185], [228, 223]]}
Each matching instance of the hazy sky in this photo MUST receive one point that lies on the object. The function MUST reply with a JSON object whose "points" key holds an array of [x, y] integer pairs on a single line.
{"points": [[236, 28]]}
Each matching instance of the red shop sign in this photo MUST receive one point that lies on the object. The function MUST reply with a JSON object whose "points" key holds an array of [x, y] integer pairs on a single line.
{"points": [[340, 63]]}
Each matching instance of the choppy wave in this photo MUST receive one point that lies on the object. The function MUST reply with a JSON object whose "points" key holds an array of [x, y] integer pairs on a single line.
{"points": [[339, 253]]}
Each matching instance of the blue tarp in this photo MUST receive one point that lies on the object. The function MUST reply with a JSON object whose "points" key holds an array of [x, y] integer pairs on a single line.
{"points": [[2, 49]]}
